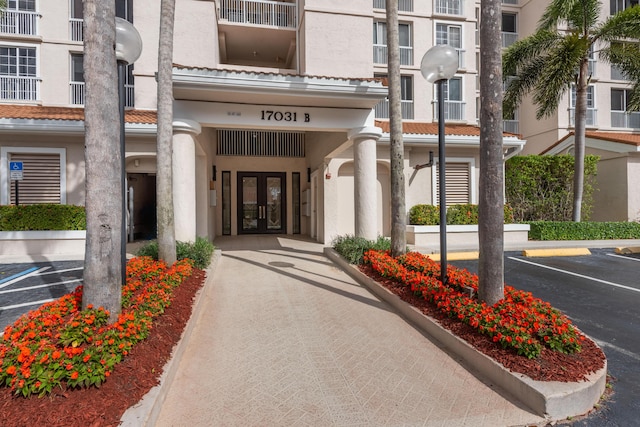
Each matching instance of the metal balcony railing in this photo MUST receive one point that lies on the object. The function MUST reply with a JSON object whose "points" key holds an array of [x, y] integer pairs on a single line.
{"points": [[460, 58], [259, 12], [453, 110], [75, 30], [382, 109], [76, 94], [449, 7], [509, 38], [380, 53], [511, 126], [623, 119], [403, 5], [592, 116], [19, 88], [19, 22]]}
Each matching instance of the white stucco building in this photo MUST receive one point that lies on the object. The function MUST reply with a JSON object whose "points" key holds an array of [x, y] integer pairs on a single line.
{"points": [[280, 113]]}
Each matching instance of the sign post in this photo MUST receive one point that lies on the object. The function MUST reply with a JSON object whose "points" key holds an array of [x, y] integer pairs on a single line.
{"points": [[15, 173]]}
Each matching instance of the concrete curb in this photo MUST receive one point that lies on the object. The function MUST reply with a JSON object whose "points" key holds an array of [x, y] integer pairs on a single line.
{"points": [[556, 252], [456, 256], [628, 250], [552, 400], [145, 412]]}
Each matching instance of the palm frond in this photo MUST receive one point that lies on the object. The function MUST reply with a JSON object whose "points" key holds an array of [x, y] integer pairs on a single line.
{"points": [[525, 50], [577, 14], [622, 25], [625, 56]]}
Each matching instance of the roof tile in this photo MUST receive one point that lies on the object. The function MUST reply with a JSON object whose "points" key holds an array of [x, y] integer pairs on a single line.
{"points": [[37, 112]]}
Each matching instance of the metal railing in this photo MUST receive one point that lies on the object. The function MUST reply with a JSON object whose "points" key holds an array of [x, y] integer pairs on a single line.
{"points": [[453, 110], [460, 58], [623, 119], [380, 53], [509, 1], [76, 94], [511, 126], [403, 5], [449, 7], [382, 109], [19, 88], [259, 12], [19, 22], [592, 116], [75, 30], [616, 74], [509, 38]]}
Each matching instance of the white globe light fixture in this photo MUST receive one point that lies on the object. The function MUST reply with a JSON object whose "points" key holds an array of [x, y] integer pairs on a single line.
{"points": [[128, 49], [438, 65]]}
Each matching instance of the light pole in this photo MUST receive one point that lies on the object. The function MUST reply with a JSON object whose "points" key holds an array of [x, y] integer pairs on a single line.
{"points": [[438, 65], [128, 49]]}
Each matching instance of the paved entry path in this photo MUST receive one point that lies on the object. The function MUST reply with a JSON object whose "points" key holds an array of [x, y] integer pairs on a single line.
{"points": [[285, 338]]}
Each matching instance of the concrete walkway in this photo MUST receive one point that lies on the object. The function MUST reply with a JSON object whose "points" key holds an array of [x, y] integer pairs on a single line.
{"points": [[282, 337]]}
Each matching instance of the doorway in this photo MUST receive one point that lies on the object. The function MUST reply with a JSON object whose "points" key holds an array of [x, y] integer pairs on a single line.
{"points": [[262, 202]]}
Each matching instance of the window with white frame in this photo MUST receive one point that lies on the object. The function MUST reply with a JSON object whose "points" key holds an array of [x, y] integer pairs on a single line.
{"points": [[451, 35], [459, 185], [18, 73], [380, 53], [19, 17], [453, 101], [591, 106], [44, 175], [509, 29], [406, 99], [620, 5], [621, 117], [76, 13], [76, 82]]}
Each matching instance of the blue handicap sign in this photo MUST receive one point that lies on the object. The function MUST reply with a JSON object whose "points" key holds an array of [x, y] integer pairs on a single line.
{"points": [[15, 166]]}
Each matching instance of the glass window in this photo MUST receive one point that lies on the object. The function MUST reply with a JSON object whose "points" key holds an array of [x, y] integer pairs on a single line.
{"points": [[453, 89], [24, 5], [509, 23], [449, 34], [404, 32], [76, 9], [77, 74], [380, 33], [406, 88], [295, 189], [226, 203], [18, 61], [124, 9]]}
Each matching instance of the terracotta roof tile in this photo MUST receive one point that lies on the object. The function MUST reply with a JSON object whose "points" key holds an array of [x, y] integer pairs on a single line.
{"points": [[432, 128], [620, 137], [36, 112]]}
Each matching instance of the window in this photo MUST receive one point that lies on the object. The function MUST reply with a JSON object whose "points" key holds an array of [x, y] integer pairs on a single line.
{"points": [[451, 35], [591, 106], [449, 7], [76, 13], [406, 99], [380, 53], [226, 203], [453, 104], [403, 5], [509, 29], [18, 73], [124, 9], [76, 82], [19, 17], [620, 5], [620, 116], [44, 175]]}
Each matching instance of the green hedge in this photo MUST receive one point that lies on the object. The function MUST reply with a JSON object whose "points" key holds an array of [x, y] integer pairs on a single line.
{"points": [[199, 251], [462, 214], [555, 230], [42, 217], [353, 248]]}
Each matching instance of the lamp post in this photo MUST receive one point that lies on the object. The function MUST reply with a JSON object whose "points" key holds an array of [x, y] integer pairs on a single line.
{"points": [[128, 48], [438, 65]]}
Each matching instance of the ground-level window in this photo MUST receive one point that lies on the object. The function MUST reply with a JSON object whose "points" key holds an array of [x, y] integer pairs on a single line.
{"points": [[459, 182], [226, 203], [44, 176]]}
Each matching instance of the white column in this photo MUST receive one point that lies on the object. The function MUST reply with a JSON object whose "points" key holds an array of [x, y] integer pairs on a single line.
{"points": [[365, 181], [184, 178]]}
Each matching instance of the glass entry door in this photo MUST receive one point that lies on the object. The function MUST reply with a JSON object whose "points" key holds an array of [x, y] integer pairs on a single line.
{"points": [[261, 202]]}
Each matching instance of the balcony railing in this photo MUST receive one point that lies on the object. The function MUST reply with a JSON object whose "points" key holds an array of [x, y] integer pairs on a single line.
{"points": [[453, 110], [449, 7], [19, 88], [76, 94], [19, 22], [403, 5], [592, 117], [382, 109], [511, 126], [616, 74], [592, 67], [509, 1], [509, 38], [623, 119], [380, 53], [460, 58], [259, 12], [75, 30]]}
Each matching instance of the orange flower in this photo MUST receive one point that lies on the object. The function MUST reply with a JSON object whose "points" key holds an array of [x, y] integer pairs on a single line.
{"points": [[56, 355], [11, 370], [74, 375]]}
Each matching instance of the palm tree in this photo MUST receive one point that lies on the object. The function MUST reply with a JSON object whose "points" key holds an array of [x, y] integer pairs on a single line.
{"points": [[164, 176], [556, 56], [103, 264], [398, 211]]}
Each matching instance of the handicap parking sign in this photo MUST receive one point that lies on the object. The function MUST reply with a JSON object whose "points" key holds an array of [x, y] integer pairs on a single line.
{"points": [[15, 171]]}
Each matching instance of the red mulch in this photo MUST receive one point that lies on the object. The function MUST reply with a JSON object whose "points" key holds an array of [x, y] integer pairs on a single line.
{"points": [[129, 382], [549, 366]]}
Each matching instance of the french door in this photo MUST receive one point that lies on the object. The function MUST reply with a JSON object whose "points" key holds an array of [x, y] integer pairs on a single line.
{"points": [[261, 202]]}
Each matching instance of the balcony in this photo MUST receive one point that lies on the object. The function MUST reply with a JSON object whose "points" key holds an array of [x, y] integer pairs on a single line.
{"points": [[453, 110], [380, 53], [75, 30], [623, 119], [511, 126], [509, 38], [403, 5], [449, 7], [592, 117], [257, 12], [76, 94], [382, 109], [19, 23], [14, 88]]}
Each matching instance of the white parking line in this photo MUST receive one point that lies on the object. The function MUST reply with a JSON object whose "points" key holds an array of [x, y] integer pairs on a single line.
{"points": [[26, 304], [618, 349], [46, 285], [61, 271], [17, 279], [624, 257], [617, 285]]}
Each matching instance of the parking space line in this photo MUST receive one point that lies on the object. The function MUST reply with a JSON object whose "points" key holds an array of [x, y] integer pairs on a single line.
{"points": [[624, 257], [618, 349], [26, 304], [60, 271], [33, 272], [46, 285], [22, 273], [617, 285]]}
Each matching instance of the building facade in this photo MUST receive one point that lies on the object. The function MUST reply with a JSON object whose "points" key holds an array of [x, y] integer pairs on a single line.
{"points": [[280, 112]]}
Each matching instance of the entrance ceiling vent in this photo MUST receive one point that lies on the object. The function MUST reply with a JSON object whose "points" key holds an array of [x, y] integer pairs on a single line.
{"points": [[253, 143]]}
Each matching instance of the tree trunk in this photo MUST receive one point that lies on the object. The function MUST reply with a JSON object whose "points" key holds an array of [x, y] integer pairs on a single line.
{"points": [[491, 207], [103, 262], [579, 140], [164, 180], [398, 211]]}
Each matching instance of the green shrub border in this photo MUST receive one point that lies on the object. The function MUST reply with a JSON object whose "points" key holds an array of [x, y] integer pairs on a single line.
{"points": [[352, 248], [458, 214], [42, 217], [557, 230], [199, 251]]}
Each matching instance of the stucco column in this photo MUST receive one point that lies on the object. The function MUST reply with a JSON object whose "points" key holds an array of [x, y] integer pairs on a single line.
{"points": [[365, 181], [184, 179]]}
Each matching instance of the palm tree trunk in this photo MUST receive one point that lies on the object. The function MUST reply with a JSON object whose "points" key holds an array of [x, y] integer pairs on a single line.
{"points": [[398, 211], [579, 140], [491, 206], [164, 185], [103, 262]]}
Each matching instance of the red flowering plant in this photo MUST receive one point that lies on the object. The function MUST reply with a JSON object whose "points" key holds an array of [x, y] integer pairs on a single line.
{"points": [[518, 321], [60, 344]]}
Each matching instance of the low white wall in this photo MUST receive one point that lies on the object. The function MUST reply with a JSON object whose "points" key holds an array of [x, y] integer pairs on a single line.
{"points": [[18, 243], [425, 235]]}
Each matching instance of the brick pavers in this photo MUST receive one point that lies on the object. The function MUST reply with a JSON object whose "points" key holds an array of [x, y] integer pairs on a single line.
{"points": [[285, 338]]}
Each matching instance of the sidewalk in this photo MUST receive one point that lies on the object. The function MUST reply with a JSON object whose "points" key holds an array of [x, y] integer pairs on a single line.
{"points": [[282, 337]]}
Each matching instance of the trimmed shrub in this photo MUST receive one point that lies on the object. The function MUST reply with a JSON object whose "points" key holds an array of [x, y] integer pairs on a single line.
{"points": [[462, 214], [424, 215], [199, 252], [353, 248], [42, 217], [556, 230]]}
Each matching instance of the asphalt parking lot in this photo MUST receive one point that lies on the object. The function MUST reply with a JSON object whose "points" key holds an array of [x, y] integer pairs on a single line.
{"points": [[601, 294], [26, 286]]}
